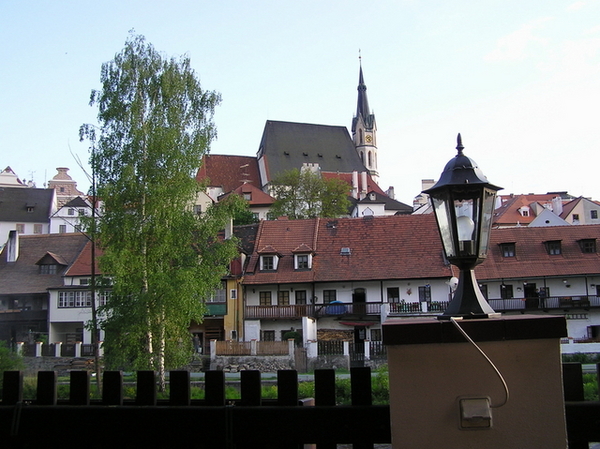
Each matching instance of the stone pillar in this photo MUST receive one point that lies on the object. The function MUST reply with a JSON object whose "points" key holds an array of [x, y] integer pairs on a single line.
{"points": [[38, 348], [291, 348], [78, 349], [444, 393], [346, 345], [367, 346], [58, 349], [20, 348], [253, 345], [312, 349], [213, 350]]}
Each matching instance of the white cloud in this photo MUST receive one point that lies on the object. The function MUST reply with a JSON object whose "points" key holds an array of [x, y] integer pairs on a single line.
{"points": [[575, 6], [516, 46]]}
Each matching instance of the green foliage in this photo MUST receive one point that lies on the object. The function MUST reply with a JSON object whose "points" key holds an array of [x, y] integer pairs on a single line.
{"points": [[155, 124], [9, 360], [590, 387], [244, 217], [303, 194], [581, 357]]}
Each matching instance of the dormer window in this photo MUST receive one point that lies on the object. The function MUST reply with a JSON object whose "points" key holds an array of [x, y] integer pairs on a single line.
{"points": [[248, 196], [507, 249], [302, 261], [268, 262], [48, 269], [71, 211], [553, 247], [303, 257], [524, 211], [594, 214], [29, 208], [588, 246]]}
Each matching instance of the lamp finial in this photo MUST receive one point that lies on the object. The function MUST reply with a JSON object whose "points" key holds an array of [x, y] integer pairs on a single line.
{"points": [[459, 145]]}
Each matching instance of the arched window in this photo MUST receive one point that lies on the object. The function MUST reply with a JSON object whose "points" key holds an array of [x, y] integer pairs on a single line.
{"points": [[370, 160], [360, 136], [362, 157]]}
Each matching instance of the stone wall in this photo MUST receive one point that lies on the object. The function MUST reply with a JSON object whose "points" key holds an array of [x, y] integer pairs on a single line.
{"points": [[62, 365], [265, 364]]}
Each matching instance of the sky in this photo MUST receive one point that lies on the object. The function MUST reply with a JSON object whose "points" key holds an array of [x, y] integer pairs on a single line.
{"points": [[520, 80]]}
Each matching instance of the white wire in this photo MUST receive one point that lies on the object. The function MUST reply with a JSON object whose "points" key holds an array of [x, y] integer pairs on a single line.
{"points": [[489, 361]]}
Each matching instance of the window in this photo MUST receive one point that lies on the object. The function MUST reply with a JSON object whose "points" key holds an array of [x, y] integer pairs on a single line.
{"points": [[248, 196], [268, 336], [268, 263], [425, 293], [37, 228], [103, 298], [74, 299], [30, 209], [594, 214], [553, 247], [48, 269], [575, 218], [81, 212], [71, 211], [265, 298], [283, 298], [84, 281], [198, 209], [587, 246], [375, 334], [484, 290], [62, 229], [302, 261], [255, 216], [329, 296], [506, 291], [220, 294], [507, 249], [20, 228], [300, 296], [393, 294]]}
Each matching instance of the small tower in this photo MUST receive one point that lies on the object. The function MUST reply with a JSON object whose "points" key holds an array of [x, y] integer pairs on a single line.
{"points": [[364, 129]]}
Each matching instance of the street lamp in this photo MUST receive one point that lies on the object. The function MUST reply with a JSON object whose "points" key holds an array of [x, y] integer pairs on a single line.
{"points": [[463, 202]]}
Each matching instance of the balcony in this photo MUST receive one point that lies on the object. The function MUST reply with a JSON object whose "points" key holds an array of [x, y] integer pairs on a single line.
{"points": [[216, 308], [293, 311], [565, 303], [23, 315]]}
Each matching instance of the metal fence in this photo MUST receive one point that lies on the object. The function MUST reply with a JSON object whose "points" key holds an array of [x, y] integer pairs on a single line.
{"points": [[286, 422]]}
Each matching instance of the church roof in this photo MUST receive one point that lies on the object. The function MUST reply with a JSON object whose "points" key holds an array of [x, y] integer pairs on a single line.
{"points": [[228, 172], [287, 145]]}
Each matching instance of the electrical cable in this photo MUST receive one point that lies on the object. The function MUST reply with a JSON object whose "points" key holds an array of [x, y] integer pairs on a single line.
{"points": [[453, 319]]}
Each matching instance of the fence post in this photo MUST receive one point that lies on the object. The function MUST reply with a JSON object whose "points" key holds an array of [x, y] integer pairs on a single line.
{"points": [[100, 349], [312, 349], [38, 348], [78, 349], [291, 346], [253, 347], [213, 350], [367, 349], [346, 345], [58, 349], [20, 348]]}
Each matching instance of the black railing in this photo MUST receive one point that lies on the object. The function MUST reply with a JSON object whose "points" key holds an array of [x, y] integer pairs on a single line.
{"points": [[286, 422], [552, 302]]}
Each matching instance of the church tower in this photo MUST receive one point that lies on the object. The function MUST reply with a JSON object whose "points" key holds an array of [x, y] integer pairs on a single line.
{"points": [[364, 129]]}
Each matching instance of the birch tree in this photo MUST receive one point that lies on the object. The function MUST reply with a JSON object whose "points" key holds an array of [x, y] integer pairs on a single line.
{"points": [[155, 122]]}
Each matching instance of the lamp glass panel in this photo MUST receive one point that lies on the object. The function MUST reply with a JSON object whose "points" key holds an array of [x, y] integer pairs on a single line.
{"points": [[444, 219], [487, 213], [466, 225]]}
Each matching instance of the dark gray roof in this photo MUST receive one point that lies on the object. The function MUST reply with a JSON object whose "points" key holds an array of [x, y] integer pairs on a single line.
{"points": [[287, 145], [23, 276], [16, 201], [390, 204], [77, 202]]}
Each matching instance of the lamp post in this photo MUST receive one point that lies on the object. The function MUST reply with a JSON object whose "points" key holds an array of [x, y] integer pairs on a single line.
{"points": [[463, 201]]}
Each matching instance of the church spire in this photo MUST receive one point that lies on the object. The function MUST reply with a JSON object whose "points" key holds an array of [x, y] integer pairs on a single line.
{"points": [[364, 128]]}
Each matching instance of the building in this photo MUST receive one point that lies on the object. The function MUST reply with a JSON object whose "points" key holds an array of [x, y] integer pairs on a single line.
{"points": [[30, 265], [340, 272], [26, 210], [65, 186]]}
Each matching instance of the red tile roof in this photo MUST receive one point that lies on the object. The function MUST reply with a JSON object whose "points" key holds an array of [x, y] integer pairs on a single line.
{"points": [[83, 264], [508, 213], [531, 258], [347, 177], [391, 247], [229, 172], [257, 196]]}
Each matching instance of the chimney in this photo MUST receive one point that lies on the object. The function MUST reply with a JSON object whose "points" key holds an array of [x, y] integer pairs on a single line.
{"points": [[229, 229], [12, 247], [355, 184], [557, 205], [390, 192], [363, 187]]}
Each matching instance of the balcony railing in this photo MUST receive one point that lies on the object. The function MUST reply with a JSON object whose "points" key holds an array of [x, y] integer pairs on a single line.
{"points": [[313, 310], [575, 302]]}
